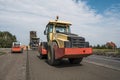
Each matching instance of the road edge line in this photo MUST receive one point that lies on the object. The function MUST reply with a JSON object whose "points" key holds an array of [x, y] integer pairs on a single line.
{"points": [[103, 65]]}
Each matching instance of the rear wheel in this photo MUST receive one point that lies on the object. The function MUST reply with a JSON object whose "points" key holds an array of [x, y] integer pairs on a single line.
{"points": [[41, 56], [51, 55], [75, 60], [44, 46]]}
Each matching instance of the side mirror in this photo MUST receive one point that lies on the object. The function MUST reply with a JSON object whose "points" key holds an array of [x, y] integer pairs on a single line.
{"points": [[44, 32]]}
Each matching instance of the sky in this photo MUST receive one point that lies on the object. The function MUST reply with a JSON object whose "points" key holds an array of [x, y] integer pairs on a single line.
{"points": [[101, 5], [96, 20]]}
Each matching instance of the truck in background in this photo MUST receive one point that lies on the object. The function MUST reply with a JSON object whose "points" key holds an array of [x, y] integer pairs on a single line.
{"points": [[34, 40], [16, 47]]}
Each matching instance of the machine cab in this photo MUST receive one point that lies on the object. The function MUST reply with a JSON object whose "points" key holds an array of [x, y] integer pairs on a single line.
{"points": [[54, 27], [16, 44]]}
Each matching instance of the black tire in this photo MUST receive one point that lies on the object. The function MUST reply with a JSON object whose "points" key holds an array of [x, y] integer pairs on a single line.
{"points": [[43, 56], [75, 60], [51, 56]]}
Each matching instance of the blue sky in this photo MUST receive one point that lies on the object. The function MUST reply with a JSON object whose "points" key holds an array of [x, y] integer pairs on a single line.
{"points": [[97, 20], [101, 5]]}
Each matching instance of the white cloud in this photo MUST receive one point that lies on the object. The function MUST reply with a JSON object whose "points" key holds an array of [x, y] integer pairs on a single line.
{"points": [[19, 17]]}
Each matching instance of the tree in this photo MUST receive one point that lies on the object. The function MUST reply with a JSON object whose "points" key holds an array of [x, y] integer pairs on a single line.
{"points": [[6, 39]]}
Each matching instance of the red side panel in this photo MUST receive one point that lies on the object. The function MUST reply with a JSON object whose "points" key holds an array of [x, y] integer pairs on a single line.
{"points": [[72, 52], [42, 50], [59, 53]]}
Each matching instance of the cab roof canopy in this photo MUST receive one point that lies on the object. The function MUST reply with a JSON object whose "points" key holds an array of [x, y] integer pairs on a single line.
{"points": [[35, 38], [59, 22]]}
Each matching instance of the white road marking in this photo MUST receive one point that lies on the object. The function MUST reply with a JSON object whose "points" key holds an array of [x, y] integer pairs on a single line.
{"points": [[108, 59], [103, 65]]}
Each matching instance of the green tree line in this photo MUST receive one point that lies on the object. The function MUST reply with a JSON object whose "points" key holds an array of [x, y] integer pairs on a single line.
{"points": [[6, 39]]}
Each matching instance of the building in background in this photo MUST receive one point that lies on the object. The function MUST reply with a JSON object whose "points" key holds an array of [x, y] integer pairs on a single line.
{"points": [[111, 45]]}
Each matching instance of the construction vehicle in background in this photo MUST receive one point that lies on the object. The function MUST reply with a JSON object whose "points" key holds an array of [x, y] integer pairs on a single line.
{"points": [[16, 47], [61, 43], [34, 40]]}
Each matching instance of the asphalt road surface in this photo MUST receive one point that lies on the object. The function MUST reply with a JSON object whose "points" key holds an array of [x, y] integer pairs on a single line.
{"points": [[22, 67], [13, 66]]}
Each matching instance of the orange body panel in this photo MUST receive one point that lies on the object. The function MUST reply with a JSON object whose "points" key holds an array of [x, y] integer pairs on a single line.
{"points": [[16, 49], [42, 51], [72, 52], [69, 52]]}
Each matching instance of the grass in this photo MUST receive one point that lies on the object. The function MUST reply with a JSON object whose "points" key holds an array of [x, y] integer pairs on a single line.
{"points": [[1, 53], [107, 52], [104, 50], [118, 51]]}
